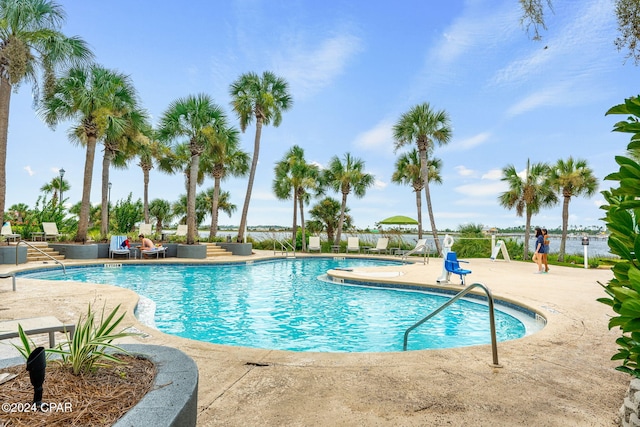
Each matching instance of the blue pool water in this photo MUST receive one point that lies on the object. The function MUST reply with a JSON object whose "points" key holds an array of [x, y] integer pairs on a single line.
{"points": [[283, 305]]}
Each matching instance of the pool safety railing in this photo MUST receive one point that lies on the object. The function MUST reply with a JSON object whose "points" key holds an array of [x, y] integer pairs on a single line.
{"points": [[492, 320], [284, 248], [41, 251], [422, 249]]}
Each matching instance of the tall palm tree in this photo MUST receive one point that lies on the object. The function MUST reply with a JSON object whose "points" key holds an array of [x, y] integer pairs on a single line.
{"points": [[527, 194], [344, 177], [294, 177], [54, 186], [326, 215], [149, 150], [31, 44], [93, 97], [179, 209], [160, 210], [571, 178], [223, 203], [424, 127], [223, 158], [193, 118], [408, 172], [263, 99]]}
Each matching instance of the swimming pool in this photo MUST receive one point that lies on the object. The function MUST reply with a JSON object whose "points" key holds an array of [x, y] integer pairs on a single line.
{"points": [[282, 304]]}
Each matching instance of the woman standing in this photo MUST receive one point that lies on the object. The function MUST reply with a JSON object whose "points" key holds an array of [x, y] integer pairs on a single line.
{"points": [[545, 248], [537, 254]]}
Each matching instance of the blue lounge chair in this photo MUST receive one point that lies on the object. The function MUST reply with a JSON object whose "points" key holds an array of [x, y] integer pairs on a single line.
{"points": [[116, 247], [452, 265]]}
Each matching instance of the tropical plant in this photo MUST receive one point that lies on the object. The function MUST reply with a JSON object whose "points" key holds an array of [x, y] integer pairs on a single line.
{"points": [[326, 215], [623, 224], [344, 177], [527, 194], [149, 151], [179, 208], [425, 127], [294, 178], [126, 214], [194, 118], [87, 349], [161, 211], [31, 46], [223, 158], [262, 98], [54, 186], [571, 178], [93, 97], [223, 204]]}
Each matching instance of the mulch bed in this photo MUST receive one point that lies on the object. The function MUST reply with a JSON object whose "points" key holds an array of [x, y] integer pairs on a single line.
{"points": [[95, 399]]}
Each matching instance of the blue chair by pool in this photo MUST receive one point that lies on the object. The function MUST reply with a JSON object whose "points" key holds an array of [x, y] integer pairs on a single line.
{"points": [[452, 265], [116, 247]]}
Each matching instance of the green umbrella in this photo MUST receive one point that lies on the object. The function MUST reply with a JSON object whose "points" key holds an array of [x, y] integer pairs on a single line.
{"points": [[398, 220]]}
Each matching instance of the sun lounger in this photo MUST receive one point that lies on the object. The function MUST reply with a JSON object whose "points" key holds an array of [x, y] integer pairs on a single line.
{"points": [[7, 233], [182, 230], [33, 326], [381, 246], [145, 229], [314, 244], [353, 244], [157, 251], [116, 248]]}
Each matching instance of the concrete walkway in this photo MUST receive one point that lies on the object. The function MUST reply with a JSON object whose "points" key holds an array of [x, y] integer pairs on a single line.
{"points": [[560, 376]]}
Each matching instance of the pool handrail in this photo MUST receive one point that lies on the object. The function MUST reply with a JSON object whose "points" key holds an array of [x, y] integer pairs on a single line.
{"points": [[492, 320], [424, 249], [284, 247], [41, 251]]}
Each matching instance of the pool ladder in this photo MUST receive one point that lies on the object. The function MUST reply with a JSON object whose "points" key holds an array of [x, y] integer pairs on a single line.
{"points": [[492, 320], [284, 248]]}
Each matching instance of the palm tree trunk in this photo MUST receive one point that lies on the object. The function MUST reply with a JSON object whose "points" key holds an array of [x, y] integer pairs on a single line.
{"points": [[565, 227], [5, 101], [343, 207], [104, 215], [419, 207], [85, 205], [295, 218], [213, 229], [304, 234], [252, 175], [425, 178], [191, 199], [145, 175], [527, 227]]}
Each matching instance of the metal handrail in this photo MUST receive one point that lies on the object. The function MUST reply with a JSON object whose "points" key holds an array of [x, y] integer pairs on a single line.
{"points": [[492, 321], [416, 250], [41, 251], [284, 247]]}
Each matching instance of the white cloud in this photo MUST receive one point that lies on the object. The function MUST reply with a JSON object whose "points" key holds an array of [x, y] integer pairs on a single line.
{"points": [[379, 136], [379, 185], [557, 95], [493, 174], [471, 142], [463, 171], [29, 170], [482, 189]]}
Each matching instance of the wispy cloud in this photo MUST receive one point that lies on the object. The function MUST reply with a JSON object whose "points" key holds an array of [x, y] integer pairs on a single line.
{"points": [[29, 170], [464, 171], [467, 143], [493, 174], [482, 189], [379, 136]]}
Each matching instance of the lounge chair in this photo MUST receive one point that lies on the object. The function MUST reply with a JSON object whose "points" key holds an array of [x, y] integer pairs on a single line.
{"points": [[145, 229], [7, 233], [381, 246], [452, 265], [314, 244], [116, 248], [421, 248], [353, 244], [157, 251], [50, 230], [182, 230]]}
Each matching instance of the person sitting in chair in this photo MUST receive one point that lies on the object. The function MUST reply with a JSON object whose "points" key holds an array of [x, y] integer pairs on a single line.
{"points": [[146, 244]]}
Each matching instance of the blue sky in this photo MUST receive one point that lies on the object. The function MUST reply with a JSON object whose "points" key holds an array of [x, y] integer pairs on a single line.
{"points": [[353, 69]]}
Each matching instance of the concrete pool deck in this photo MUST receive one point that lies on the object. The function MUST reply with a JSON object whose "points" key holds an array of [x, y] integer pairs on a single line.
{"points": [[560, 376]]}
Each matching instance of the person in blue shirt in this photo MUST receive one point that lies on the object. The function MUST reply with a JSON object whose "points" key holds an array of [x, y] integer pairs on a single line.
{"points": [[539, 251], [545, 254]]}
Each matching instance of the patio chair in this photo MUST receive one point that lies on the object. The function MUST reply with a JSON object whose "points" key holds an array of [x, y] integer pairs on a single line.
{"points": [[7, 233], [157, 251], [381, 246], [452, 265], [50, 230], [145, 229], [116, 247], [182, 230], [353, 244], [314, 244]]}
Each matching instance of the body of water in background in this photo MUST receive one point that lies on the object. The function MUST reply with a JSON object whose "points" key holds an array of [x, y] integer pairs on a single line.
{"points": [[598, 245]]}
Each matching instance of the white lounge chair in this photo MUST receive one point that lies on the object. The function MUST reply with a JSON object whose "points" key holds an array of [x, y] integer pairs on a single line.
{"points": [[381, 246], [421, 248], [116, 248], [50, 230], [314, 244], [145, 229], [182, 230], [353, 244], [7, 233], [157, 251]]}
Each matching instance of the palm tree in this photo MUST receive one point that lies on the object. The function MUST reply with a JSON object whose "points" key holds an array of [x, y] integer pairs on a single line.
{"points": [[31, 44], [223, 158], [527, 194], [179, 209], [223, 203], [326, 216], [293, 178], [263, 99], [193, 117], [571, 178], [344, 177], [160, 210], [148, 150], [93, 97], [408, 172], [424, 126], [54, 186]]}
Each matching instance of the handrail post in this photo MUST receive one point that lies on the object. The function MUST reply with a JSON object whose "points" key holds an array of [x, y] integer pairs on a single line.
{"points": [[42, 252], [492, 322]]}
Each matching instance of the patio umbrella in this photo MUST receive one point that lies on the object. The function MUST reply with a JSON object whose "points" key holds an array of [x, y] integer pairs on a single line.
{"points": [[399, 220]]}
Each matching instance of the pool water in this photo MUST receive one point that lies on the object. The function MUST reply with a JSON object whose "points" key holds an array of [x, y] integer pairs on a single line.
{"points": [[283, 305]]}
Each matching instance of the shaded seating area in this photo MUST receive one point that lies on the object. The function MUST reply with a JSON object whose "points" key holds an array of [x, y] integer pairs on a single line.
{"points": [[7, 233], [382, 245], [452, 266], [353, 244], [119, 246], [314, 244]]}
